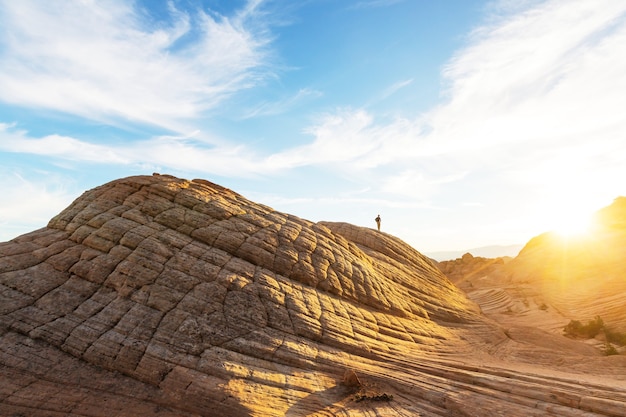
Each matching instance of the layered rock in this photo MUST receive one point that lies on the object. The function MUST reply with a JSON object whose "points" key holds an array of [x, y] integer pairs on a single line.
{"points": [[465, 270], [155, 295], [553, 280], [581, 276]]}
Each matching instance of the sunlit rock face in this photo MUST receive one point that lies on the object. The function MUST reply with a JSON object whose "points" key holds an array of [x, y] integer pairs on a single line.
{"points": [[154, 295], [465, 270], [556, 279], [583, 276]]}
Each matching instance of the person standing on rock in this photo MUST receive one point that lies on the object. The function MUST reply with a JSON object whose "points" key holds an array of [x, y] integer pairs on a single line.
{"points": [[378, 222]]}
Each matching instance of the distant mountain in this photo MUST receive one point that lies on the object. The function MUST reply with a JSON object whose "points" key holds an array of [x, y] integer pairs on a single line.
{"points": [[494, 251]]}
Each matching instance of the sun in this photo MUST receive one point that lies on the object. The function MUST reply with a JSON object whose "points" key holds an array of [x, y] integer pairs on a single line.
{"points": [[572, 224]]}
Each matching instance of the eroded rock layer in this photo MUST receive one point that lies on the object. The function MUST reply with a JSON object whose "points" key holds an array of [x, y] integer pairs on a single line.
{"points": [[555, 278], [154, 295], [582, 276]]}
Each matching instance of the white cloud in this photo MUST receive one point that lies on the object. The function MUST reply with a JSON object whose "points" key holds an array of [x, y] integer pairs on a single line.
{"points": [[532, 127], [350, 140], [106, 61], [530, 72], [64, 147], [534, 109], [526, 88], [415, 183], [33, 201], [183, 154], [541, 91]]}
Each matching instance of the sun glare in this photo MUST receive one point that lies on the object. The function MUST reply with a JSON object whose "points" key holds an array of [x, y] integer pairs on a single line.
{"points": [[570, 225]]}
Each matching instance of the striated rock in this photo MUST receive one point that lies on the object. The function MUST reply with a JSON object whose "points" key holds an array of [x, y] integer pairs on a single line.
{"points": [[572, 278], [465, 270], [554, 279], [580, 276], [154, 295]]}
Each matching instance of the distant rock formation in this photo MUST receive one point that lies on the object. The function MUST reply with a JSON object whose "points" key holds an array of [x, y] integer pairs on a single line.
{"points": [[465, 269], [154, 295], [554, 279], [490, 252], [581, 276]]}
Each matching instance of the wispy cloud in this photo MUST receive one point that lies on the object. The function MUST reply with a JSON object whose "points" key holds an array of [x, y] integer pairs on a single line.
{"points": [[180, 153], [32, 201], [272, 108], [395, 87], [527, 89], [534, 100], [338, 137], [388, 92], [57, 146], [107, 61]]}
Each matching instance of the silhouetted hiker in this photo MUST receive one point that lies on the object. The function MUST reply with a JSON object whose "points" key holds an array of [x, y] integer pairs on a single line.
{"points": [[378, 222]]}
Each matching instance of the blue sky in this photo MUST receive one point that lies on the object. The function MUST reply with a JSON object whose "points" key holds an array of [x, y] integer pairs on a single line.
{"points": [[463, 123]]}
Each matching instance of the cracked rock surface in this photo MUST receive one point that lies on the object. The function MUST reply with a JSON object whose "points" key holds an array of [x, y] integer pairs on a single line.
{"points": [[154, 295]]}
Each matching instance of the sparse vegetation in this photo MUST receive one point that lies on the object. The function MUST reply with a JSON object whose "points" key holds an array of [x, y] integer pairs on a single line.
{"points": [[360, 396], [593, 327], [609, 349], [576, 329], [615, 337]]}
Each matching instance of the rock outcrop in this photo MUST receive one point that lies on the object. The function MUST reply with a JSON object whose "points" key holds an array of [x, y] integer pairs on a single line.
{"points": [[154, 295], [581, 276], [555, 279], [468, 268]]}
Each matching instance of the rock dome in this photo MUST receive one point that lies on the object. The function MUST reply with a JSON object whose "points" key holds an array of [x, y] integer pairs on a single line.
{"points": [[154, 295]]}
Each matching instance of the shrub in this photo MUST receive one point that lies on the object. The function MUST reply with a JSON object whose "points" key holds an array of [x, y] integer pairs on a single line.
{"points": [[576, 329], [609, 350], [615, 337], [573, 328]]}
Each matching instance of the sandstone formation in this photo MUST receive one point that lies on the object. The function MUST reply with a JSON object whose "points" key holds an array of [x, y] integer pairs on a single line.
{"points": [[154, 295], [464, 270], [554, 279], [582, 276], [487, 281]]}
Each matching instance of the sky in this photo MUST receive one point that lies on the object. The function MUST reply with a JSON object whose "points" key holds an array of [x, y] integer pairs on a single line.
{"points": [[463, 123]]}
